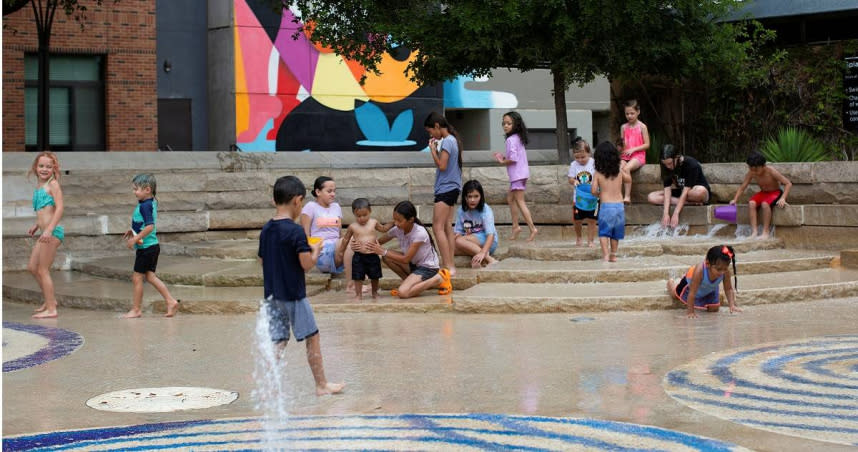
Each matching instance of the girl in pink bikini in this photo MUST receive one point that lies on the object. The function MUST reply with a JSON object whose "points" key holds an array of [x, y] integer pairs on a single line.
{"points": [[635, 143]]}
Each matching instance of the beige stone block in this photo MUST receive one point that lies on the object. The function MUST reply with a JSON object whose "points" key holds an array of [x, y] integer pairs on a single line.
{"points": [[648, 174], [365, 177], [249, 181], [422, 195], [90, 182], [725, 173], [831, 215], [835, 172], [375, 194], [788, 216], [542, 176], [849, 258], [420, 176], [167, 222], [490, 176], [17, 187], [824, 193], [797, 173], [251, 199], [819, 237], [239, 218]]}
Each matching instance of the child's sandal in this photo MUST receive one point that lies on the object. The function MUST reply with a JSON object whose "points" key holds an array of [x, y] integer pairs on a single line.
{"points": [[446, 284]]}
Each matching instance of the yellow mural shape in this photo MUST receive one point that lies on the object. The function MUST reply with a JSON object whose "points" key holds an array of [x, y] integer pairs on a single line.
{"points": [[333, 84], [242, 100], [391, 85]]}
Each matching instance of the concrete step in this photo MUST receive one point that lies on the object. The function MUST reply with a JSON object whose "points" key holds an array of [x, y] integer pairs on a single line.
{"points": [[647, 268], [78, 290], [194, 271], [623, 296], [636, 246]]}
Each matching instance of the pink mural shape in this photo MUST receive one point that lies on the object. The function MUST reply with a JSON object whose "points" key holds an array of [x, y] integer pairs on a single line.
{"points": [[299, 54], [255, 55]]}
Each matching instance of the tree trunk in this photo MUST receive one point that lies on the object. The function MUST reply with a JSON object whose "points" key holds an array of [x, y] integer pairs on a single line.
{"points": [[560, 116], [44, 104]]}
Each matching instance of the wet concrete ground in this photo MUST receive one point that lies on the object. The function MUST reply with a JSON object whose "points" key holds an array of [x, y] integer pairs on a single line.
{"points": [[606, 366]]}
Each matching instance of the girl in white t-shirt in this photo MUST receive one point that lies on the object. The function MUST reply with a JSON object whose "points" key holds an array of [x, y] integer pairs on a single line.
{"points": [[417, 261]]}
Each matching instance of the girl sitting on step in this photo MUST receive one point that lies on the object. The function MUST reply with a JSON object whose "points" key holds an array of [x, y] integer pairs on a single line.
{"points": [[698, 289]]}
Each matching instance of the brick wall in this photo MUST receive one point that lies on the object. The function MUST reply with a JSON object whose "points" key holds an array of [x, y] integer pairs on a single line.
{"points": [[125, 33]]}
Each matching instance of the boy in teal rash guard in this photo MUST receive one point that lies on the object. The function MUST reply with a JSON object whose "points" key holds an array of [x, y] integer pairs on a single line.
{"points": [[142, 238]]}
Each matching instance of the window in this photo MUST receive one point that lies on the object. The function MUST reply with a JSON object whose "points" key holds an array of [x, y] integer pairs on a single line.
{"points": [[76, 93]]}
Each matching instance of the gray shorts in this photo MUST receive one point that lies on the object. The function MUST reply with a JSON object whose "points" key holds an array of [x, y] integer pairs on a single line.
{"points": [[298, 314]]}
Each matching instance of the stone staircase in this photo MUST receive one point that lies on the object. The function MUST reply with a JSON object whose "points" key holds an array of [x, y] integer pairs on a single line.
{"points": [[559, 277], [551, 275]]}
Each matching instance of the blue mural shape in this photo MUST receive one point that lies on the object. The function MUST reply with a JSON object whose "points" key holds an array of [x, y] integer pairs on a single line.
{"points": [[380, 432], [60, 343], [373, 125]]}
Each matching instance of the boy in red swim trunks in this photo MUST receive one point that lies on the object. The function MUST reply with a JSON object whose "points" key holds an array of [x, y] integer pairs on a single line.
{"points": [[770, 181]]}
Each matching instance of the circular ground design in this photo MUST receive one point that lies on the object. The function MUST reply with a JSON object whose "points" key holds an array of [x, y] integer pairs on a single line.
{"points": [[30, 345], [395, 432], [161, 400], [806, 388]]}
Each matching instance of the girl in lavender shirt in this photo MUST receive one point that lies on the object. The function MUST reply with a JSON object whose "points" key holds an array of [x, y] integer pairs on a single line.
{"points": [[518, 170], [323, 218], [416, 262]]}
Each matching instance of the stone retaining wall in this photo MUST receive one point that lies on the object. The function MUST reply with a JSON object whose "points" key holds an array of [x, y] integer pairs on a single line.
{"points": [[201, 192]]}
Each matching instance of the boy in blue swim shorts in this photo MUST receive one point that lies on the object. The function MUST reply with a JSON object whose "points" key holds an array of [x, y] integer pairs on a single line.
{"points": [[286, 256], [608, 187]]}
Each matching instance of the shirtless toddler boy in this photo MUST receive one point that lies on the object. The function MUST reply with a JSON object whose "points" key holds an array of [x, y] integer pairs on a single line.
{"points": [[363, 231], [608, 187], [770, 181]]}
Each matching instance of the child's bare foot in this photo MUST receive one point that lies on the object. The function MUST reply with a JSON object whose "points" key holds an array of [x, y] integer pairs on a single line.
{"points": [[491, 261], [515, 232], [132, 314], [375, 295], [475, 264], [532, 234], [591, 244], [764, 236], [612, 257], [41, 308], [627, 201], [579, 242], [46, 314], [330, 388], [605, 258], [172, 308], [671, 289]]}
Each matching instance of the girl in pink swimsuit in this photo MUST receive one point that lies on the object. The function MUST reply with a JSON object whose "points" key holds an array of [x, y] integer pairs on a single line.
{"points": [[635, 143]]}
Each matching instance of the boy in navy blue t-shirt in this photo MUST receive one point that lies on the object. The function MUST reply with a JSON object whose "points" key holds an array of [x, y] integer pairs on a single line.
{"points": [[286, 256]]}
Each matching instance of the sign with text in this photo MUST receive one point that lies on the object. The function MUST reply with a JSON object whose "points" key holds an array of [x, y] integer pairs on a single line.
{"points": [[850, 88]]}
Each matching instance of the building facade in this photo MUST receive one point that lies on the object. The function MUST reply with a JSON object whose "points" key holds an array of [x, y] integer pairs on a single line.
{"points": [[103, 79]]}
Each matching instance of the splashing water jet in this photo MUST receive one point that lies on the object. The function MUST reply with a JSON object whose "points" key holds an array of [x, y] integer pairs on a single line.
{"points": [[269, 374]]}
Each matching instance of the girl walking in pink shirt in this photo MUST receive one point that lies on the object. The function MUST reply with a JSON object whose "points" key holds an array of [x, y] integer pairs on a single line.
{"points": [[518, 170]]}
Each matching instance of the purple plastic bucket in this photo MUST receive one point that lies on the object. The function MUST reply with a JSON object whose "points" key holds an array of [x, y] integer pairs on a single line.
{"points": [[726, 213]]}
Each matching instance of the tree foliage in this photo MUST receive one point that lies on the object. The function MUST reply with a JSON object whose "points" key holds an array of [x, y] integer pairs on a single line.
{"points": [[576, 39]]}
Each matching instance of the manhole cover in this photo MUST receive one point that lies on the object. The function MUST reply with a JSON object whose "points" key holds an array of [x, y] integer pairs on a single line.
{"points": [[161, 400]]}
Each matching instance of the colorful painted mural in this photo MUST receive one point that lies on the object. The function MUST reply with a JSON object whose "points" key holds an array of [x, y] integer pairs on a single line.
{"points": [[292, 95]]}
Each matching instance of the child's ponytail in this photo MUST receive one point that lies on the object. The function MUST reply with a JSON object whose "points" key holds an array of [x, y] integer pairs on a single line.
{"points": [[727, 254]]}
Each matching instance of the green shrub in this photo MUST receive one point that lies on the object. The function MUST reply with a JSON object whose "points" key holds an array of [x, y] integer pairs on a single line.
{"points": [[656, 142], [793, 145]]}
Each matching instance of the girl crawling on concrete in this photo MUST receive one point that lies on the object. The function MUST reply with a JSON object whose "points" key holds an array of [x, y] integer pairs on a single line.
{"points": [[698, 289]]}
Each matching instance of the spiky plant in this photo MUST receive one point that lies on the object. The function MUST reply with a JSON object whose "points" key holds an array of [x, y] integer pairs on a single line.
{"points": [[794, 145]]}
